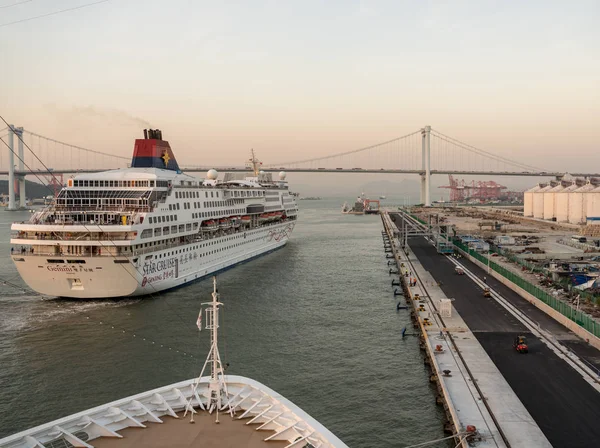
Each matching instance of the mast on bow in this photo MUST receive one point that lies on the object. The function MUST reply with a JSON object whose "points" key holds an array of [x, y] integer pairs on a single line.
{"points": [[217, 395]]}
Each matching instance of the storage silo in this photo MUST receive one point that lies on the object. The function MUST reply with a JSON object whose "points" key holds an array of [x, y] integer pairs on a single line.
{"points": [[562, 202], [578, 203], [528, 200], [549, 198], [593, 206], [538, 201]]}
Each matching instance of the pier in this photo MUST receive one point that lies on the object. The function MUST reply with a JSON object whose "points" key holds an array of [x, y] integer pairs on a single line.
{"points": [[548, 397]]}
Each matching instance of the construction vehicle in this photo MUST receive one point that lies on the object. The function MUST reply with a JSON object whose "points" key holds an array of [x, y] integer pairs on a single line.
{"points": [[520, 344]]}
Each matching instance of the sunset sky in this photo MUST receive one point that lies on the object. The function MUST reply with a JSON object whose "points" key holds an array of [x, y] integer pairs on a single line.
{"points": [[296, 79]]}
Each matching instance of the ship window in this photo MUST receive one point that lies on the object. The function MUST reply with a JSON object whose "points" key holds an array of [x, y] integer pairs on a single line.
{"points": [[173, 229], [177, 206], [165, 230], [85, 183], [157, 231], [188, 227]]}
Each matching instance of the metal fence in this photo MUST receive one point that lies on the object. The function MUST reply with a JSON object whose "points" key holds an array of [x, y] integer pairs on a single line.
{"points": [[579, 317]]}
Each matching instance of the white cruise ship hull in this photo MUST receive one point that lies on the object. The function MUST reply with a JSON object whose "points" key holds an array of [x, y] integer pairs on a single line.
{"points": [[156, 270]]}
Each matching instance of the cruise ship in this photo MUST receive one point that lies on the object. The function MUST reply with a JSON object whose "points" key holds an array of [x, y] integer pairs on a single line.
{"points": [[150, 227], [213, 411]]}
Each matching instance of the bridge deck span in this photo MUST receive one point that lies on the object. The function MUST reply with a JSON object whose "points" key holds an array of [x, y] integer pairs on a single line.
{"points": [[322, 170]]}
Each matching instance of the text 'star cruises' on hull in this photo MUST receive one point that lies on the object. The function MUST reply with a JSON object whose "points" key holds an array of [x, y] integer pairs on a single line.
{"points": [[150, 227]]}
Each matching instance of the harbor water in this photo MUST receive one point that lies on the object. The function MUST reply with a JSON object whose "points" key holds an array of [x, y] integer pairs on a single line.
{"points": [[316, 321]]}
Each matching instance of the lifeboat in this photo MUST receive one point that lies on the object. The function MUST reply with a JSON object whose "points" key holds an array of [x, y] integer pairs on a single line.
{"points": [[224, 223], [263, 218], [209, 226], [278, 215], [246, 220]]}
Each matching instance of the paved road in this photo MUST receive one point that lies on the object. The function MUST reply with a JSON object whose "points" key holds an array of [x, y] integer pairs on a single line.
{"points": [[563, 404]]}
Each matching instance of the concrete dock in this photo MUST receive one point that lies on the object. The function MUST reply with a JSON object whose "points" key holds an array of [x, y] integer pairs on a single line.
{"points": [[543, 398], [474, 390]]}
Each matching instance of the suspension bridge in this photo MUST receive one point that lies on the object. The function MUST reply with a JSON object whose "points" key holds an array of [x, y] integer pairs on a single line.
{"points": [[424, 152]]}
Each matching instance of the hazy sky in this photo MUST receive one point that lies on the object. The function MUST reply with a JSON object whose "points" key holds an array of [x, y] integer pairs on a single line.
{"points": [[295, 79]]}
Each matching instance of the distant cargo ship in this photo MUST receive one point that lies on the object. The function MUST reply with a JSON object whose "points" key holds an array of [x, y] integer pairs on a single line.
{"points": [[311, 198]]}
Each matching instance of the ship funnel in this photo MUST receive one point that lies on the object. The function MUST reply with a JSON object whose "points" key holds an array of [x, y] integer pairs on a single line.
{"points": [[145, 134]]}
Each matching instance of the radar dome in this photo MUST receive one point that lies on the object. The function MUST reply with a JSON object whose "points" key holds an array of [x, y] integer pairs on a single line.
{"points": [[282, 175], [212, 174], [261, 172]]}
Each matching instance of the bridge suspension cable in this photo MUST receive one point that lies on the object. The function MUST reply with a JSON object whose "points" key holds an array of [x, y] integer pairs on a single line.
{"points": [[75, 146], [341, 154], [482, 152]]}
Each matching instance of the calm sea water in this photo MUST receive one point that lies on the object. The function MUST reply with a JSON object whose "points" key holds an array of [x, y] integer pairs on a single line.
{"points": [[315, 321]]}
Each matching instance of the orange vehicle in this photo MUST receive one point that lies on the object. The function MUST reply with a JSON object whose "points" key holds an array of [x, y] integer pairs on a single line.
{"points": [[520, 344]]}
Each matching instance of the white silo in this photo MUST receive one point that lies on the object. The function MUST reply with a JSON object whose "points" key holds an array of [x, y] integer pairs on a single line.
{"points": [[549, 199], [593, 206], [562, 202], [578, 203], [538, 201], [528, 200]]}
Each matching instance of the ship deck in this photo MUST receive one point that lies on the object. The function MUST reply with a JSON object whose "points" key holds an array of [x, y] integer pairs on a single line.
{"points": [[180, 433]]}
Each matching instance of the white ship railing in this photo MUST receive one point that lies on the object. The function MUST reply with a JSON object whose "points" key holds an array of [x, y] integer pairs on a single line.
{"points": [[254, 404]]}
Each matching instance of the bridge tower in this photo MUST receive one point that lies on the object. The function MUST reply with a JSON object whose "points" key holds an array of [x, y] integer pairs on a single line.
{"points": [[21, 177], [426, 166], [18, 131]]}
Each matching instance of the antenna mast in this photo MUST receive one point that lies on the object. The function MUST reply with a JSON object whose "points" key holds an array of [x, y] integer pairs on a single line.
{"points": [[217, 395], [254, 163]]}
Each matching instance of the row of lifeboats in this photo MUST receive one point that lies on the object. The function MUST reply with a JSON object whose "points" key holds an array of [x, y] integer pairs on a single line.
{"points": [[235, 222], [270, 217]]}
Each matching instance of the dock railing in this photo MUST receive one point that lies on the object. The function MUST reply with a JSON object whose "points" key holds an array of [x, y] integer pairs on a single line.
{"points": [[581, 318]]}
